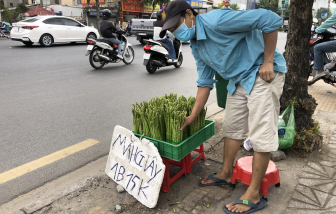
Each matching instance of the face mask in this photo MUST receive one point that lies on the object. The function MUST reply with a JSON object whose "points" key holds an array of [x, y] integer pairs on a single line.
{"points": [[183, 33]]}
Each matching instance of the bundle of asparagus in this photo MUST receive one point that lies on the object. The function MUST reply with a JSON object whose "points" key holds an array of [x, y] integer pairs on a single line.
{"points": [[200, 120], [162, 117]]}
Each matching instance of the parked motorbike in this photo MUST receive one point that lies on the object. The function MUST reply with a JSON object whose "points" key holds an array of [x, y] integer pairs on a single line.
{"points": [[329, 76], [156, 55], [102, 51]]}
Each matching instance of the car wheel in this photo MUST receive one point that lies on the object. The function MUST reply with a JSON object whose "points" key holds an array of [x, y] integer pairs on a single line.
{"points": [[28, 43], [46, 40], [91, 36]]}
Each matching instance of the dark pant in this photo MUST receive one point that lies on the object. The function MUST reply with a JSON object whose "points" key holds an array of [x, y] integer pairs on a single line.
{"points": [[115, 41], [170, 46]]}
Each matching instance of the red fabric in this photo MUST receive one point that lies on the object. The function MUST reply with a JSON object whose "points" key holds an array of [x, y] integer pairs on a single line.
{"points": [[38, 10]]}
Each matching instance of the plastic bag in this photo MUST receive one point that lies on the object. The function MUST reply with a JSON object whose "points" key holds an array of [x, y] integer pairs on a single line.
{"points": [[288, 117]]}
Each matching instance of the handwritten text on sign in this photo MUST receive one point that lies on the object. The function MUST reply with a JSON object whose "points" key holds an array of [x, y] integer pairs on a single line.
{"points": [[135, 165]]}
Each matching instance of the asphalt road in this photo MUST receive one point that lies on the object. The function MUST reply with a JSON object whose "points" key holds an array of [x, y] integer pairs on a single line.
{"points": [[51, 98]]}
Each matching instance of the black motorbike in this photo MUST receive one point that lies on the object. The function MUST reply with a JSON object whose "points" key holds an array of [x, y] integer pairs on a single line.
{"points": [[326, 36], [329, 58]]}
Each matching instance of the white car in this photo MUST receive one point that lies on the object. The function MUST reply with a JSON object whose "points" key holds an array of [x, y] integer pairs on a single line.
{"points": [[47, 30]]}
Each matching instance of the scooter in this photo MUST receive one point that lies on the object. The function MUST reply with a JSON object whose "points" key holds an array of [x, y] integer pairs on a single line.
{"points": [[326, 36], [329, 73], [103, 51], [7, 33], [156, 55]]}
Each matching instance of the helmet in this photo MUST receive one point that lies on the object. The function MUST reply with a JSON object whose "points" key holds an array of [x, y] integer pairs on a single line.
{"points": [[107, 13]]}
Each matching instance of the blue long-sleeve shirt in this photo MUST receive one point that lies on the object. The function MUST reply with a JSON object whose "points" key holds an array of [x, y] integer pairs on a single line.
{"points": [[231, 43], [327, 24]]}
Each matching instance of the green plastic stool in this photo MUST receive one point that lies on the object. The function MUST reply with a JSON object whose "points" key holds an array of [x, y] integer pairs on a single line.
{"points": [[221, 90]]}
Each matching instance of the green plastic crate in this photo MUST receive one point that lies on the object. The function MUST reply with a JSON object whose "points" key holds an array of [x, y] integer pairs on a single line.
{"points": [[221, 90], [177, 152]]}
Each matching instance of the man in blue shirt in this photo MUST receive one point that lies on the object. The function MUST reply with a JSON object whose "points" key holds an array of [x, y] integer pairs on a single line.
{"points": [[240, 47]]}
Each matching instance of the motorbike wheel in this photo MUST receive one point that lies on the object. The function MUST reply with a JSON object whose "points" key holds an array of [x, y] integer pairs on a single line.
{"points": [[150, 67], [94, 59], [179, 62], [128, 55]]}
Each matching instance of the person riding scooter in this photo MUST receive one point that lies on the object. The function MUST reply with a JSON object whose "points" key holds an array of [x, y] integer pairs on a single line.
{"points": [[166, 40], [128, 28], [107, 28], [3, 28], [322, 48]]}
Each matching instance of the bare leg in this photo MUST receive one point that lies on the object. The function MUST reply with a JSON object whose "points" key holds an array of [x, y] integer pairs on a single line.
{"points": [[259, 167], [231, 148]]}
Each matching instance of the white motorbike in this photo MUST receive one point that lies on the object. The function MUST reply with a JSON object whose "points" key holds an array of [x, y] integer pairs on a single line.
{"points": [[156, 55], [102, 51]]}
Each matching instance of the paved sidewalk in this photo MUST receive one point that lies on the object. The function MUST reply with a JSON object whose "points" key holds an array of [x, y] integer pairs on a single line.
{"points": [[316, 191], [325, 96]]}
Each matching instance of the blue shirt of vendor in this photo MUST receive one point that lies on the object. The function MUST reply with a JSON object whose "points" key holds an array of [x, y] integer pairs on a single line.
{"points": [[231, 43]]}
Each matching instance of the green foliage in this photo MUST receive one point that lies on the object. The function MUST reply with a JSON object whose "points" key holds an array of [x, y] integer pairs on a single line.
{"points": [[6, 14], [234, 7], [155, 2], [273, 6], [21, 8], [280, 29], [304, 136], [318, 13]]}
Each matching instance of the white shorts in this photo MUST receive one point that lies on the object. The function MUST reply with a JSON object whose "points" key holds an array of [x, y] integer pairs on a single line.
{"points": [[255, 115]]}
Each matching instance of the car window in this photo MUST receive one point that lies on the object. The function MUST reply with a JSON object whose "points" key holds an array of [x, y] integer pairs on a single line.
{"points": [[70, 22], [54, 21], [153, 16], [30, 20]]}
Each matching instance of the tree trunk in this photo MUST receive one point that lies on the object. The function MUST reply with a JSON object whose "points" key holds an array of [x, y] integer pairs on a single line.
{"points": [[297, 58]]}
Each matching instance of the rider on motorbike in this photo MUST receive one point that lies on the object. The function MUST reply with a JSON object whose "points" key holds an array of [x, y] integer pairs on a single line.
{"points": [[3, 28], [322, 48], [166, 40], [107, 28], [128, 28]]}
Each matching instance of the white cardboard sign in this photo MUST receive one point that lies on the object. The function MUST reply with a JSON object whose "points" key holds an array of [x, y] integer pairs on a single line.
{"points": [[135, 165]]}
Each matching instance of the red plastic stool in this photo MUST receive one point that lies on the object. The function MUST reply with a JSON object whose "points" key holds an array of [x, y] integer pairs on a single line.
{"points": [[190, 162], [243, 172], [166, 179], [185, 165]]}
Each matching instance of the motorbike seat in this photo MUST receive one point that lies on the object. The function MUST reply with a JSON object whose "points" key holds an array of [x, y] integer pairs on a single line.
{"points": [[106, 41], [163, 45]]}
